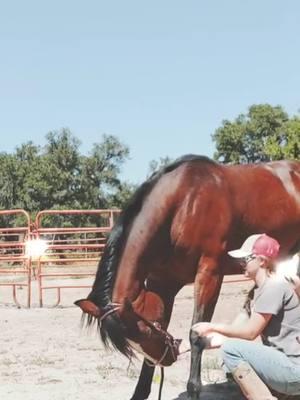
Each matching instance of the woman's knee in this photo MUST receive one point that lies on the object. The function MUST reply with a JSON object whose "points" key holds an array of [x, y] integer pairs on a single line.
{"points": [[230, 346], [231, 353]]}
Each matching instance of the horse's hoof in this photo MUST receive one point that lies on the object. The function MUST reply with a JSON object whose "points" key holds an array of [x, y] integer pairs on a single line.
{"points": [[138, 397], [193, 391], [194, 396]]}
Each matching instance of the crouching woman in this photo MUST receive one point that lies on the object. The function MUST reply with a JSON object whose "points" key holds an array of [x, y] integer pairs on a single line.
{"points": [[275, 315]]}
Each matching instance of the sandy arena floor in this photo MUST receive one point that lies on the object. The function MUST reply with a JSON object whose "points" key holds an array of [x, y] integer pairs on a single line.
{"points": [[45, 355]]}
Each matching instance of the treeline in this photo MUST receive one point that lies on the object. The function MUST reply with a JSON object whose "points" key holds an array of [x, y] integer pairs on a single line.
{"points": [[264, 133], [58, 176]]}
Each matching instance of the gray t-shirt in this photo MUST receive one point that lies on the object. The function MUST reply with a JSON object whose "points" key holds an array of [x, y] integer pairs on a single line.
{"points": [[278, 298]]}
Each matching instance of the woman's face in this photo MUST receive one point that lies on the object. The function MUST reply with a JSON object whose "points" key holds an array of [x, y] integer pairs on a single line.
{"points": [[251, 265]]}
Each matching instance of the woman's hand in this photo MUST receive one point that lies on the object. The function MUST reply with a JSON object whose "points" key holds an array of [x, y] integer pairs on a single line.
{"points": [[203, 328], [207, 330]]}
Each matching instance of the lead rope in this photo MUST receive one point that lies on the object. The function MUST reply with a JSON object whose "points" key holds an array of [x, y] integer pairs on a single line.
{"points": [[162, 376]]}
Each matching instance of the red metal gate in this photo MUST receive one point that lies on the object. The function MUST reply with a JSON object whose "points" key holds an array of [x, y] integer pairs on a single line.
{"points": [[15, 265], [71, 252]]}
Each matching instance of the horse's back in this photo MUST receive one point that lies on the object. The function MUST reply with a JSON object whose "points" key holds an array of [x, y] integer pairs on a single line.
{"points": [[218, 206], [266, 195]]}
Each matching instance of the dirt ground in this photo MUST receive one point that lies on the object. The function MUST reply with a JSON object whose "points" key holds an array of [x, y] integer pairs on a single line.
{"points": [[45, 355]]}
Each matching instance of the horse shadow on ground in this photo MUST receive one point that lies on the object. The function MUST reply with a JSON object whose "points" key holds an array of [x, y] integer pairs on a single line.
{"points": [[217, 391]]}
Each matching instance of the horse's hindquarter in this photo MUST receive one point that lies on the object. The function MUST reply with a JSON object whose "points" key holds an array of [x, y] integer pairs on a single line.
{"points": [[266, 198], [221, 205]]}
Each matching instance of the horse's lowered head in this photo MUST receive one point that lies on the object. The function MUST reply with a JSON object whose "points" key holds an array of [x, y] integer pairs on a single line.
{"points": [[129, 330]]}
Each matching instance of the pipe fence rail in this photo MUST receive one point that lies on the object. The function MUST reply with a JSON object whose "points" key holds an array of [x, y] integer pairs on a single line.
{"points": [[15, 265], [59, 247], [71, 252]]}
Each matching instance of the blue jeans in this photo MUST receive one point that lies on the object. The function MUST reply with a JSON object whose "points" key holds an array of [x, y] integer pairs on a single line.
{"points": [[276, 370]]}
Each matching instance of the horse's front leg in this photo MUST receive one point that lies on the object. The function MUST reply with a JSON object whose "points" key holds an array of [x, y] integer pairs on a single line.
{"points": [[166, 294], [143, 387], [206, 290]]}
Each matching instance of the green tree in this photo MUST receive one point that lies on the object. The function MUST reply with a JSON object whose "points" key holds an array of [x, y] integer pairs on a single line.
{"points": [[291, 140], [156, 165], [31, 183], [99, 179], [120, 197], [265, 133], [59, 176], [8, 181], [62, 168]]}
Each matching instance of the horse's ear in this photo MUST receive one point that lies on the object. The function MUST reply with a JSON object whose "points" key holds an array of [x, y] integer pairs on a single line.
{"points": [[89, 307]]}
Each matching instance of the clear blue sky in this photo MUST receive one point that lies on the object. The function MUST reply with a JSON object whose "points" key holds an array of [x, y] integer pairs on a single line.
{"points": [[160, 75]]}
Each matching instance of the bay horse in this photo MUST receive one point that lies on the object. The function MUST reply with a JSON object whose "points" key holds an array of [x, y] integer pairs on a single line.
{"points": [[177, 230]]}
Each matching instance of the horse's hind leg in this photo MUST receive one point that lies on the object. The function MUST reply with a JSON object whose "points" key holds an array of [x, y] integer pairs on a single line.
{"points": [[207, 287], [143, 387]]}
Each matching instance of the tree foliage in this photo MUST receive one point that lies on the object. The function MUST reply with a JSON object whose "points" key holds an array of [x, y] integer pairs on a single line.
{"points": [[59, 176], [156, 165], [265, 133]]}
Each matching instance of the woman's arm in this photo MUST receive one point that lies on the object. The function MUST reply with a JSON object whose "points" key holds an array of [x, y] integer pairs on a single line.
{"points": [[249, 330]]}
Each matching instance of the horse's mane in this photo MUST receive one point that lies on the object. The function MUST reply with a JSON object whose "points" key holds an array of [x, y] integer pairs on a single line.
{"points": [[107, 269]]}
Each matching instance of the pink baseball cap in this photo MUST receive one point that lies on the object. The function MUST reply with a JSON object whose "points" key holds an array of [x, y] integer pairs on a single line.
{"points": [[259, 245]]}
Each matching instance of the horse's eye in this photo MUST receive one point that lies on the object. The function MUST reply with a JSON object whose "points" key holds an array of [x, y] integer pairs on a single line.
{"points": [[144, 329]]}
